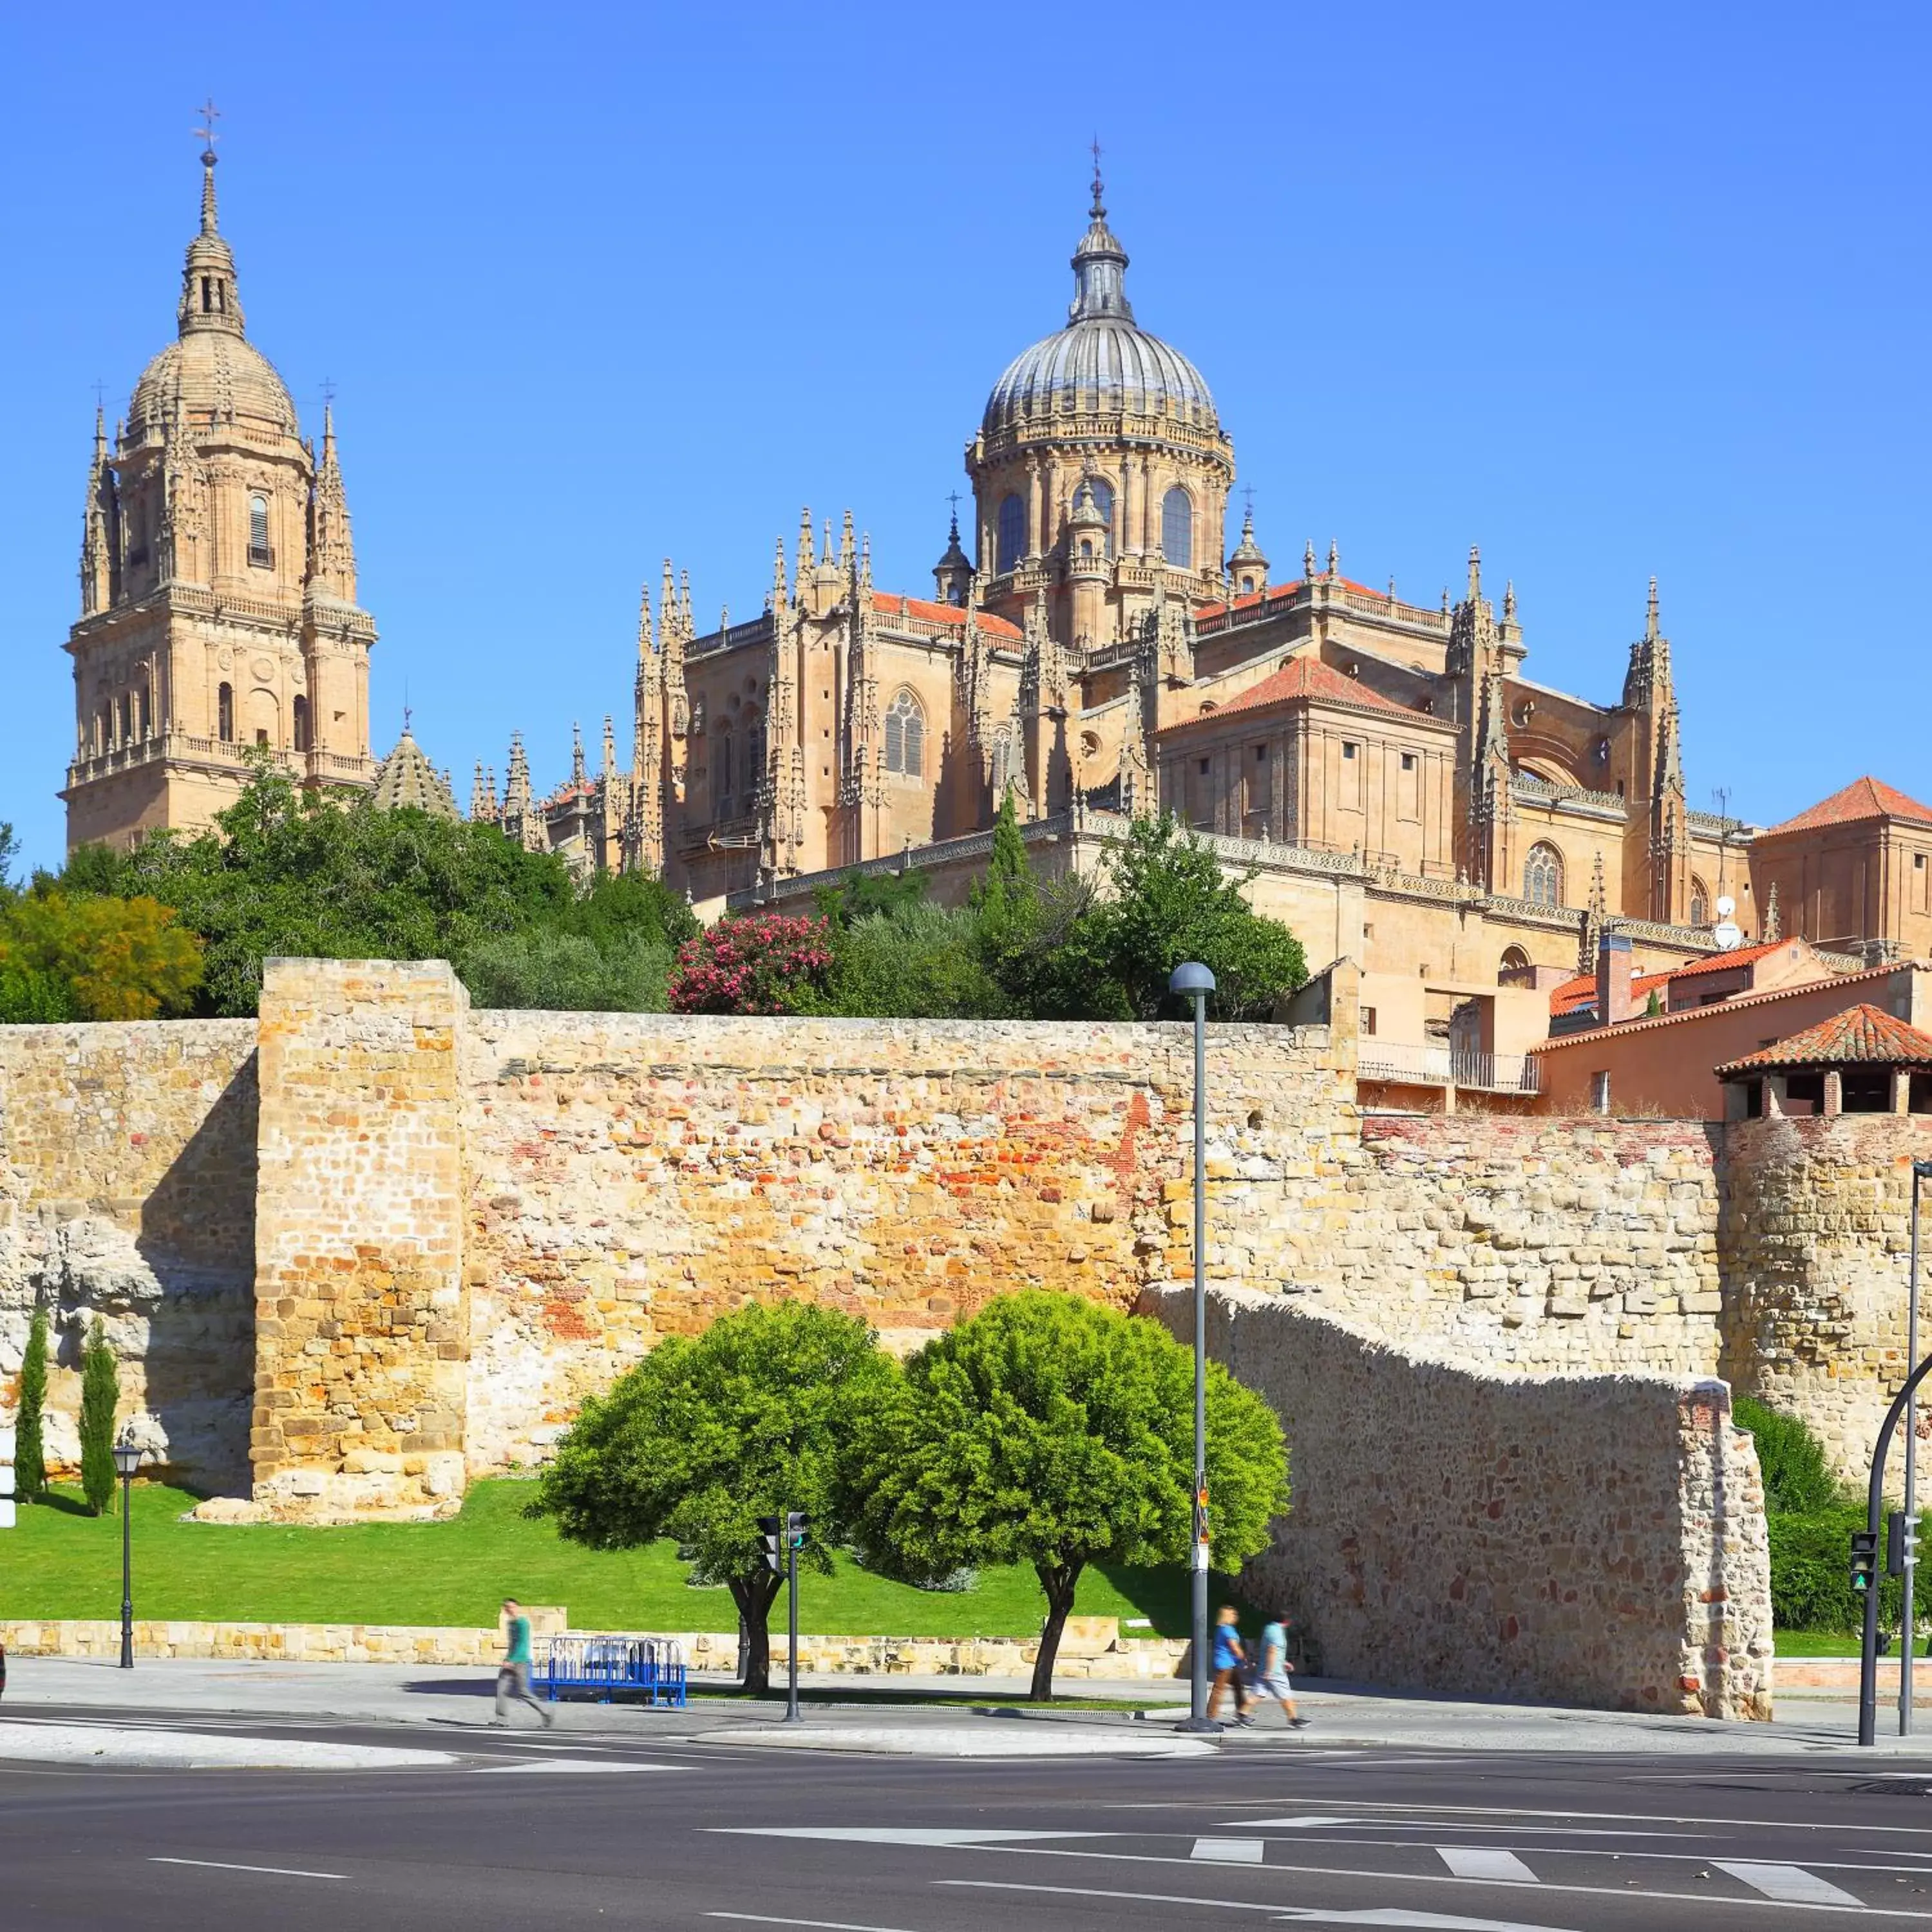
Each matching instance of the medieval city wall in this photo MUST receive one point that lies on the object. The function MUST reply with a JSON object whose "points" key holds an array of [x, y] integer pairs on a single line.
{"points": [[631, 1176], [1593, 1540], [128, 1191], [396, 1249]]}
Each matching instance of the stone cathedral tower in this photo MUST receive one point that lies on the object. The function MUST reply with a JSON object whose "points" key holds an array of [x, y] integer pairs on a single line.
{"points": [[217, 582]]}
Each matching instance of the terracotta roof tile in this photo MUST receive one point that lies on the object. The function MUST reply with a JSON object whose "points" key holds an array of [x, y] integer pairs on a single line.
{"points": [[1582, 991], [1275, 592], [1863, 799], [1860, 1036], [886, 604], [1304, 680]]}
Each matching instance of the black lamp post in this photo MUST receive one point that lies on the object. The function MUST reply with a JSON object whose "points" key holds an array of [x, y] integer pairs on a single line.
{"points": [[126, 1460], [1193, 981]]}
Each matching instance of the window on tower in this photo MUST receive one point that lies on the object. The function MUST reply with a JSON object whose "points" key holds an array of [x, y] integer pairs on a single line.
{"points": [[754, 756], [224, 713], [1542, 876], [905, 737], [1102, 493], [1177, 528], [302, 724], [1010, 545], [259, 554]]}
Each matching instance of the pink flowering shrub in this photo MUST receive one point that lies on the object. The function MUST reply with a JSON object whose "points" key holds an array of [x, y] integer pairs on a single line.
{"points": [[762, 962]]}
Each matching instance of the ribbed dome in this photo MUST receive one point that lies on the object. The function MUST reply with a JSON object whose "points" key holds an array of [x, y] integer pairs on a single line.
{"points": [[215, 377], [1100, 363]]}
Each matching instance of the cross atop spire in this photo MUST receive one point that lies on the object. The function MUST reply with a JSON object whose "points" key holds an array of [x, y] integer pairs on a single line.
{"points": [[207, 136], [1100, 207]]}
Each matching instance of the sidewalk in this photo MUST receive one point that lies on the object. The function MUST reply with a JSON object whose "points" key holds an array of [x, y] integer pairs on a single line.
{"points": [[1344, 1715]]}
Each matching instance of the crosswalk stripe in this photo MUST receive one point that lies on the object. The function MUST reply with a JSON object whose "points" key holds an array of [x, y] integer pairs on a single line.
{"points": [[1791, 1885], [1486, 1861], [1227, 1851]]}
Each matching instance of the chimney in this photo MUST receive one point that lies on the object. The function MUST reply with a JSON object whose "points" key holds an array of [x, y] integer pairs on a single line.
{"points": [[1615, 1000]]}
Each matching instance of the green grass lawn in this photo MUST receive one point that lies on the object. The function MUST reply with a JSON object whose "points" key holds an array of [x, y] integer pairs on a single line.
{"points": [[60, 1562]]}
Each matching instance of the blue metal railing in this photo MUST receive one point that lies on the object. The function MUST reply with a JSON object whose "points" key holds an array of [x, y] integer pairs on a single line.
{"points": [[651, 1667]]}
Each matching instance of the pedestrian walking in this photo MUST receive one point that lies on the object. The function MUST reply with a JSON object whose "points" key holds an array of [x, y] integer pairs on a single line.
{"points": [[513, 1675], [1229, 1660], [1272, 1670]]}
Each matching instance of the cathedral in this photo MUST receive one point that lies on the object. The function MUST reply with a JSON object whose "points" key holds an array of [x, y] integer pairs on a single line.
{"points": [[1403, 794]]}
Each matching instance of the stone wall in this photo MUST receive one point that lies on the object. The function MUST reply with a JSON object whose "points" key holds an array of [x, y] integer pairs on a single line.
{"points": [[1596, 1540], [631, 1176], [1533, 1244], [361, 1325], [128, 1191], [1817, 1234]]}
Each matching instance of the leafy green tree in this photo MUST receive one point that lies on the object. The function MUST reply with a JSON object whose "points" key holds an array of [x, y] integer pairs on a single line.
{"points": [[100, 1397], [920, 961], [707, 1434], [1797, 1478], [30, 1455], [10, 851], [565, 972], [862, 894], [105, 958], [621, 911], [1167, 900], [1053, 1431]]}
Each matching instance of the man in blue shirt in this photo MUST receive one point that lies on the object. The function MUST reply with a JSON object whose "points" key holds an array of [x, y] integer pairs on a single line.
{"points": [[513, 1676], [1271, 1678]]}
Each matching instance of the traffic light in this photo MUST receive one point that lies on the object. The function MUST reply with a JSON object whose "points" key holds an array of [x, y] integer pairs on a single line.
{"points": [[797, 1523], [1901, 1539], [1864, 1559], [771, 1533]]}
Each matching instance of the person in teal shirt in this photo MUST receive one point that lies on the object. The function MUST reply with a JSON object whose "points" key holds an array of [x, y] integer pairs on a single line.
{"points": [[513, 1676]]}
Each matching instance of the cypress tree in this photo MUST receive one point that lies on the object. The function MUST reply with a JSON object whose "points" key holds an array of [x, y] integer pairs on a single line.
{"points": [[30, 1459], [99, 1395]]}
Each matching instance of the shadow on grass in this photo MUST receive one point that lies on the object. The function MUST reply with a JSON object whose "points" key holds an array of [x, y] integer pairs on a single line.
{"points": [[65, 1502]]}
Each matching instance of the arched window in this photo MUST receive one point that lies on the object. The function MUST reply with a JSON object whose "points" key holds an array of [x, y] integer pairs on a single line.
{"points": [[224, 713], [905, 737], [259, 554], [301, 724], [144, 716], [1086, 550], [1010, 545], [127, 718], [1700, 902], [1103, 501], [1515, 960], [1002, 760], [723, 769], [754, 755], [1247, 586], [1542, 876], [1177, 528], [103, 729]]}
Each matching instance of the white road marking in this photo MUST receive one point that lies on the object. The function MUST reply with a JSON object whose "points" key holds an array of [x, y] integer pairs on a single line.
{"points": [[1229, 1851], [1293, 1824], [573, 1765], [1631, 1818], [1305, 1915], [1790, 1883], [825, 1924], [221, 1864], [895, 1834], [1486, 1861]]}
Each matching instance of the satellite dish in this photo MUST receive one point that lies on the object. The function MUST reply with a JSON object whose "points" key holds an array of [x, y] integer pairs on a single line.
{"points": [[1726, 905], [1727, 932]]}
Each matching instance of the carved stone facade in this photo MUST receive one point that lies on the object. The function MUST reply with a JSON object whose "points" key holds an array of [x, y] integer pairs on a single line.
{"points": [[217, 579]]}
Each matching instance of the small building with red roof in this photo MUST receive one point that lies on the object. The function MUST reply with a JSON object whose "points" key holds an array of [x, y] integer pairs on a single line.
{"points": [[1862, 1061]]}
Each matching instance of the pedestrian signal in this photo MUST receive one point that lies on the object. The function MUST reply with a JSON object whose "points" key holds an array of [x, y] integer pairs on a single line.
{"points": [[772, 1537], [1864, 1558]]}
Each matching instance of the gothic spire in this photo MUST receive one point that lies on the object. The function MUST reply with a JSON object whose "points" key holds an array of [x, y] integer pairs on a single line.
{"points": [[1099, 264], [209, 299], [331, 548]]}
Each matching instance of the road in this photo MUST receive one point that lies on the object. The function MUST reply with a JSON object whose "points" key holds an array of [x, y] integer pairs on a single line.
{"points": [[549, 1831]]}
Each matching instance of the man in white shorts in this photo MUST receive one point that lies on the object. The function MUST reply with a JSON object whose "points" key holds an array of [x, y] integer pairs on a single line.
{"points": [[1271, 1674]]}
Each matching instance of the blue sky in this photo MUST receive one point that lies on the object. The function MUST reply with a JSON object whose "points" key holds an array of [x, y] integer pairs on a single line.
{"points": [[1607, 291]]}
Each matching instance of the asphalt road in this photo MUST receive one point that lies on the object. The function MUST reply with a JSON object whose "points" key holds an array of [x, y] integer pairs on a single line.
{"points": [[537, 1830]]}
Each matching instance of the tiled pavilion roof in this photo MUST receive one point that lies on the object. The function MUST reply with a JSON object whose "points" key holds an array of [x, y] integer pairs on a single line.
{"points": [[1860, 1036]]}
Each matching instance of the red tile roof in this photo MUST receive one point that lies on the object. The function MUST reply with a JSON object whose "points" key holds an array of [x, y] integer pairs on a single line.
{"points": [[887, 605], [1582, 991], [1863, 799], [1304, 680], [1860, 1036]]}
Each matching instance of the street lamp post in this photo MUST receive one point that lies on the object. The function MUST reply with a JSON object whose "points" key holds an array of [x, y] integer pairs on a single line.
{"points": [[126, 1460], [1921, 1170], [1195, 982]]}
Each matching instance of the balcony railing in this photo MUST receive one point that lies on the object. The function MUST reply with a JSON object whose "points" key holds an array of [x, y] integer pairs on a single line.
{"points": [[1431, 1065]]}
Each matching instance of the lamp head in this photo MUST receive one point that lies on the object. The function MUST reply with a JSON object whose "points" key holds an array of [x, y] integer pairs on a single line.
{"points": [[1191, 977], [1922, 1169], [127, 1457]]}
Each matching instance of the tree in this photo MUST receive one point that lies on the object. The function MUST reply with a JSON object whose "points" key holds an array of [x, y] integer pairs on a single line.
{"points": [[1053, 1431], [100, 1397], [1168, 901], [30, 1457], [1797, 1474], [765, 962], [566, 972], [920, 961], [10, 851], [116, 958], [707, 1434]]}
